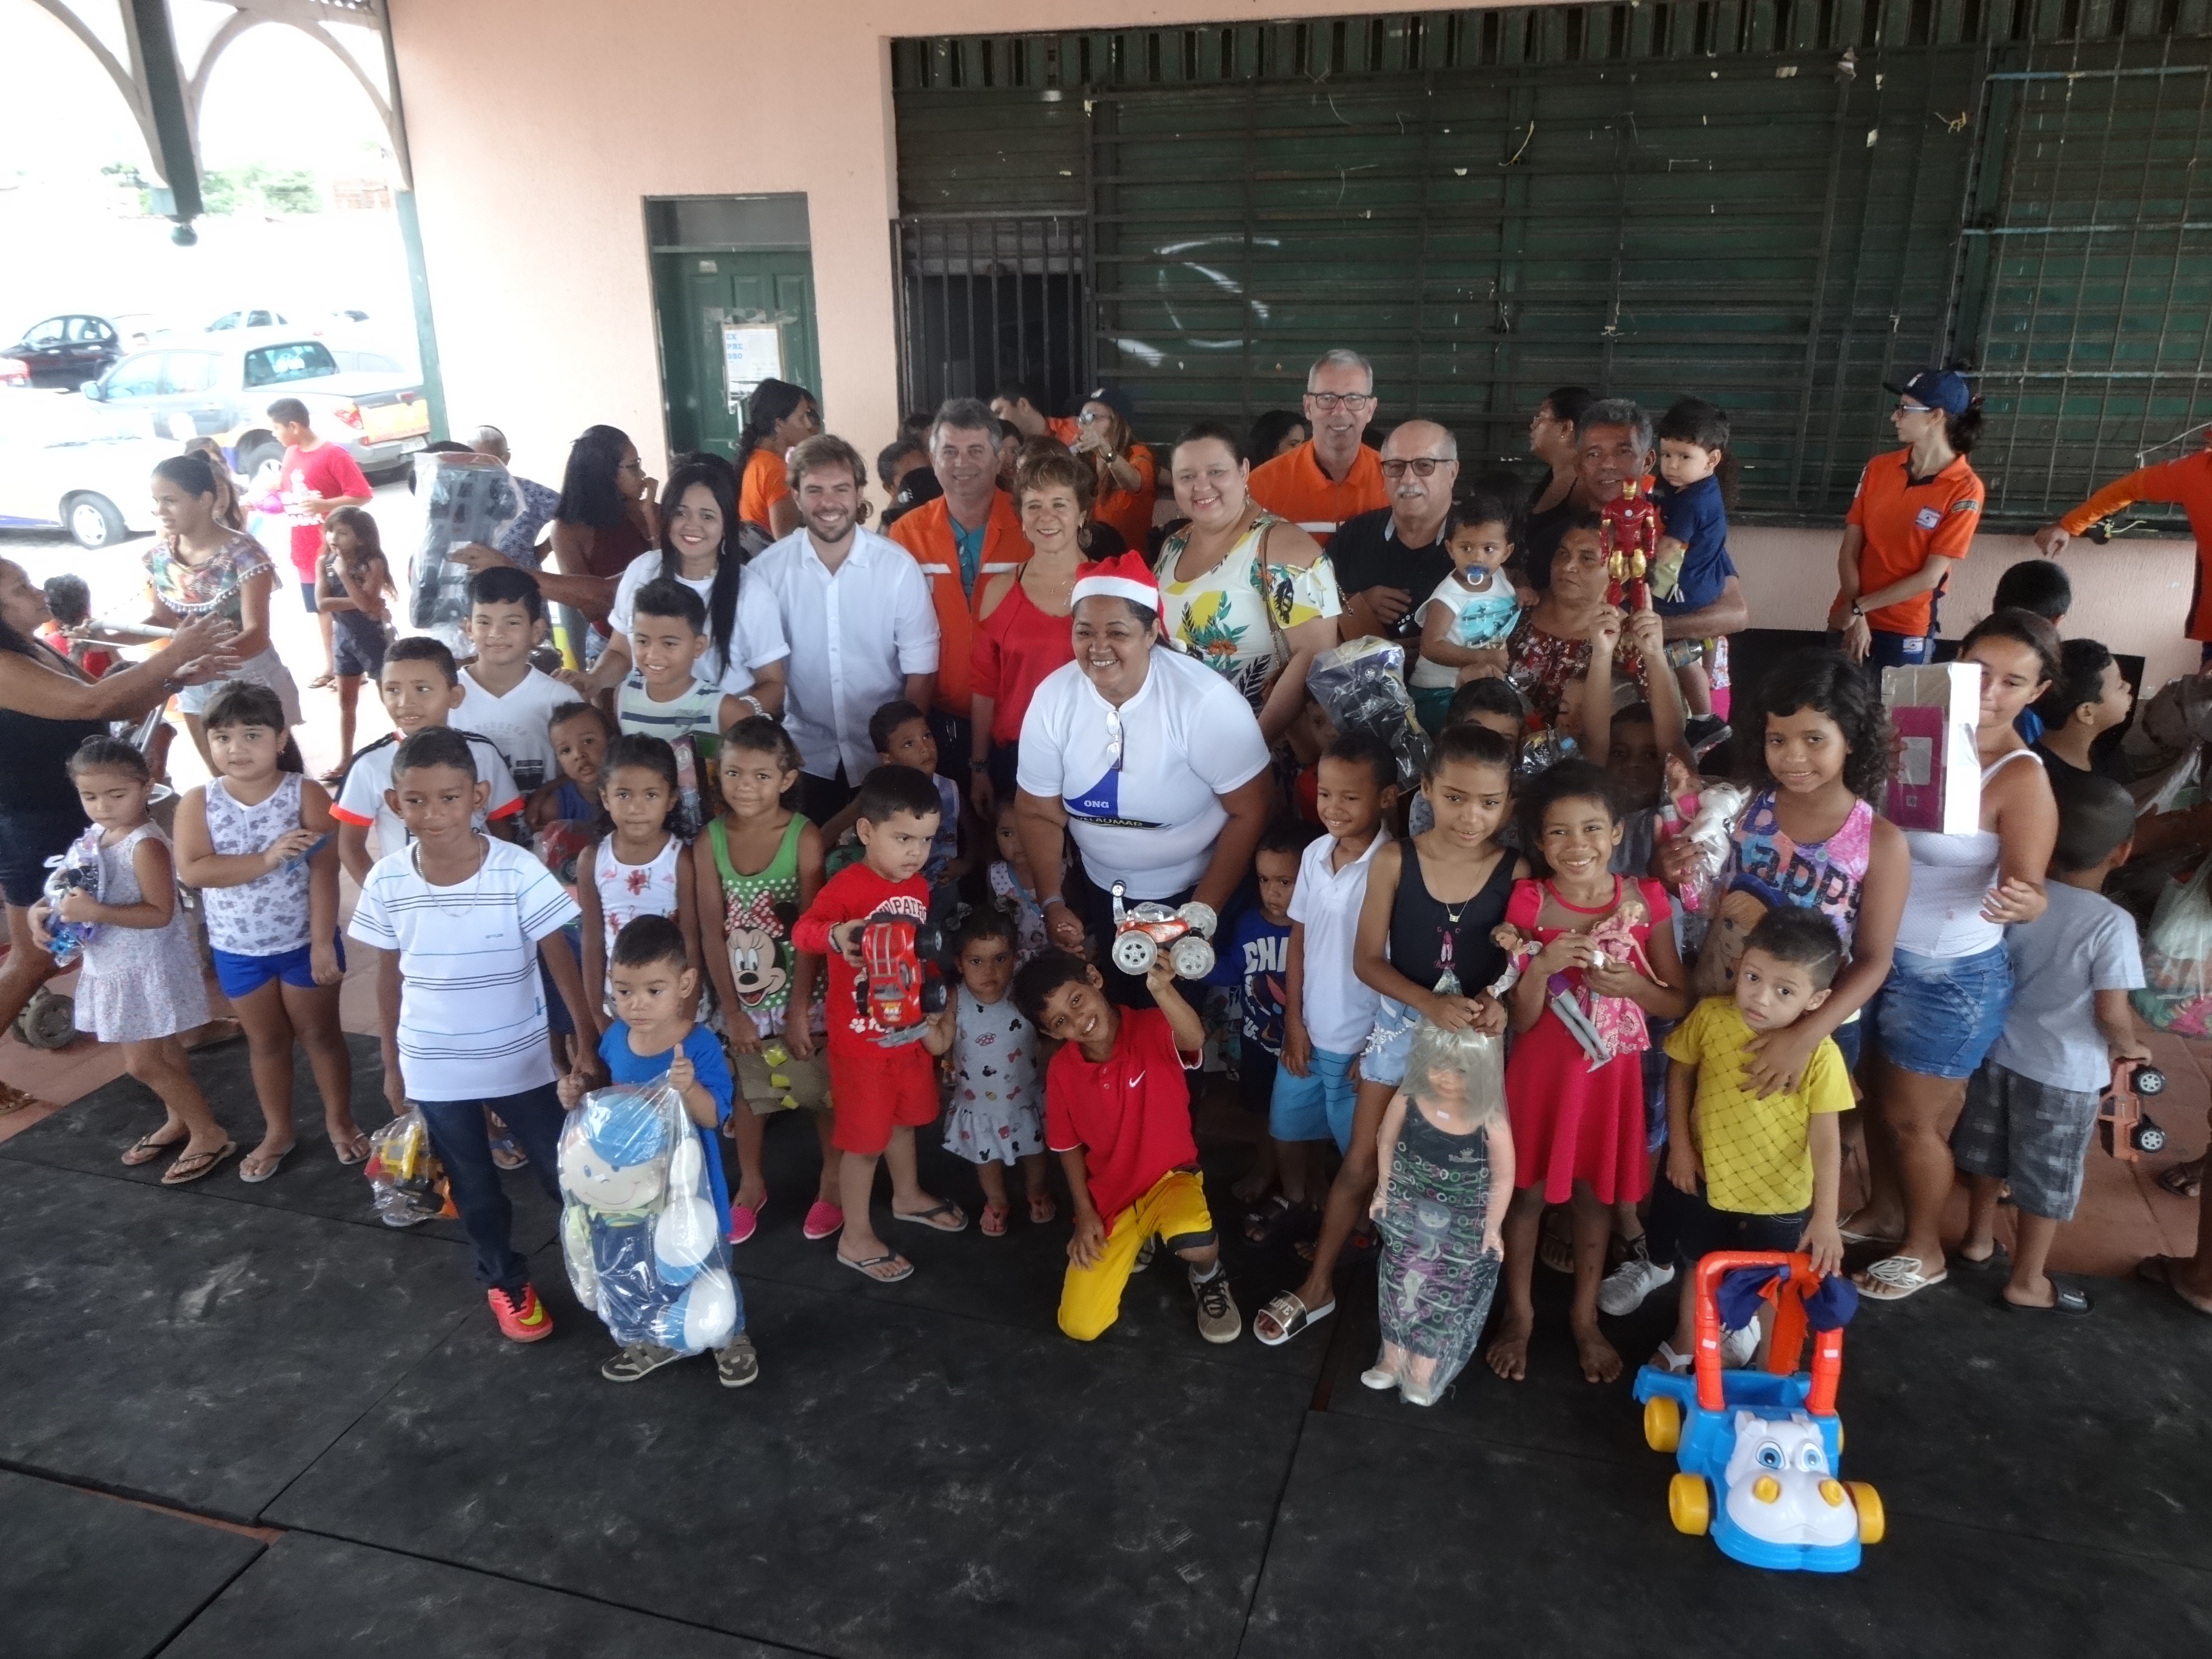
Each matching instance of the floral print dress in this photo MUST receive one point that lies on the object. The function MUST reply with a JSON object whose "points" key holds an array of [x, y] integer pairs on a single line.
{"points": [[993, 1117], [1232, 617], [215, 587]]}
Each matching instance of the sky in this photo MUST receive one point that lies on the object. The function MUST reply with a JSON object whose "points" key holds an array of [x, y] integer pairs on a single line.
{"points": [[275, 97]]}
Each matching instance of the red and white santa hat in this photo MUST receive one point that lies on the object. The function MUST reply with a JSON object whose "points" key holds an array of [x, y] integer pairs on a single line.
{"points": [[1124, 576]]}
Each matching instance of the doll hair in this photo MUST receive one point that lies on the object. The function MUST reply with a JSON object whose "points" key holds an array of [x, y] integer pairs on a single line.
{"points": [[1478, 1058]]}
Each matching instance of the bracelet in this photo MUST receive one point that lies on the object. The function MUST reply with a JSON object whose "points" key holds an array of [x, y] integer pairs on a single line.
{"points": [[1051, 899], [979, 766]]}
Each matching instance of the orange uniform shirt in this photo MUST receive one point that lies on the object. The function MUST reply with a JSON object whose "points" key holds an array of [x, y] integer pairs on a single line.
{"points": [[1065, 428], [767, 481], [1130, 511], [1906, 524], [926, 533], [2187, 483], [1294, 487]]}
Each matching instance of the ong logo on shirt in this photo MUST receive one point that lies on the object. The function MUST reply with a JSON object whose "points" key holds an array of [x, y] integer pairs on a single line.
{"points": [[1101, 804]]}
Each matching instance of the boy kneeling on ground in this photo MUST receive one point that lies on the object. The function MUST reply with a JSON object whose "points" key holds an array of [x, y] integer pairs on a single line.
{"points": [[1117, 1111]]}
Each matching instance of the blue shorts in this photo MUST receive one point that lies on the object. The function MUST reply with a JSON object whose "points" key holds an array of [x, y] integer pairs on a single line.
{"points": [[1317, 1106], [1938, 1016], [241, 977], [1383, 1060], [557, 1019]]}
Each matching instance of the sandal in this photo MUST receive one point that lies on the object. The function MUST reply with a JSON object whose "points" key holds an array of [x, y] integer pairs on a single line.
{"points": [[1851, 1236], [146, 1149], [254, 1174], [2066, 1299], [957, 1224], [2158, 1270], [1269, 1219], [992, 1222], [1895, 1278], [868, 1265], [13, 1099], [352, 1148], [1042, 1209], [2183, 1180], [1674, 1363], [1291, 1315], [323, 682], [193, 1165]]}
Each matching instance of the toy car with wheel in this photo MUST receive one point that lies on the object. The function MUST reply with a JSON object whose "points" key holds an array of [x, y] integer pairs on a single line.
{"points": [[1142, 932], [902, 988], [1757, 1452], [2121, 1124]]}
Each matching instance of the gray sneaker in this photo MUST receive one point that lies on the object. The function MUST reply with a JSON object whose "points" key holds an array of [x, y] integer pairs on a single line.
{"points": [[638, 1360], [1627, 1285], [1218, 1318], [736, 1362]]}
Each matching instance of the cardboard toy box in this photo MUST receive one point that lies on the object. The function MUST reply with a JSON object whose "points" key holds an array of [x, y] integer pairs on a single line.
{"points": [[1937, 783]]}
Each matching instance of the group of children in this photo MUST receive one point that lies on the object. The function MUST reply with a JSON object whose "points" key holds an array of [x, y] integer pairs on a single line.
{"points": [[1478, 998]]}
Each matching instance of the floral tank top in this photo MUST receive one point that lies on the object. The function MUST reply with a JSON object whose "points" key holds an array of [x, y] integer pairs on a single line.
{"points": [[757, 912], [208, 589], [1232, 617], [1827, 876]]}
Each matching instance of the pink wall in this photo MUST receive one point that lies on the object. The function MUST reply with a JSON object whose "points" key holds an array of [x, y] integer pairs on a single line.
{"points": [[538, 126]]}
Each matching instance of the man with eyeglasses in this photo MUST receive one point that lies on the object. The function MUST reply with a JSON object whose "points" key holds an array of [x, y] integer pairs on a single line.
{"points": [[1331, 477], [1383, 558]]}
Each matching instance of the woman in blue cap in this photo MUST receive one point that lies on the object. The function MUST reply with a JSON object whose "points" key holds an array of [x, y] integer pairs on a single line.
{"points": [[1912, 519]]}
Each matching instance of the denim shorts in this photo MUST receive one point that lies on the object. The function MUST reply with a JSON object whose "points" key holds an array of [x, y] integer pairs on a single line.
{"points": [[1937, 1016], [1383, 1060], [242, 975]]}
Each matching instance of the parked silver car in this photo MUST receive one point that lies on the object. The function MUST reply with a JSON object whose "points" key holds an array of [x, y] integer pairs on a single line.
{"points": [[223, 384], [64, 461]]}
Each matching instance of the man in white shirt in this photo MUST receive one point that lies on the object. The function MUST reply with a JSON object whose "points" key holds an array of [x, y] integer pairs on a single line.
{"points": [[856, 611]]}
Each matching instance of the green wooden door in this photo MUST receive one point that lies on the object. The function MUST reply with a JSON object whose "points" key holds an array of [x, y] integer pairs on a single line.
{"points": [[696, 291]]}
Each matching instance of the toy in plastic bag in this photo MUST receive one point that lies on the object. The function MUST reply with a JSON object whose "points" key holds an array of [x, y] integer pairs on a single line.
{"points": [[1362, 685], [408, 1181], [465, 498], [1438, 1217], [1706, 812], [638, 1226], [2177, 993], [1605, 1027], [76, 871]]}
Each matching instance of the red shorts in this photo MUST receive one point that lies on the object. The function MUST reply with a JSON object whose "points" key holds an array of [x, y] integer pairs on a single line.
{"points": [[873, 1090]]}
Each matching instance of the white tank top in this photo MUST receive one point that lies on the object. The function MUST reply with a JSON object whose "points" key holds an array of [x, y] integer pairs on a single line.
{"points": [[627, 891], [1952, 875]]}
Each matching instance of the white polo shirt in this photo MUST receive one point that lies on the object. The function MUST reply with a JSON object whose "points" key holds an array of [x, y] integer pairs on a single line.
{"points": [[1338, 1007], [854, 635], [1149, 817]]}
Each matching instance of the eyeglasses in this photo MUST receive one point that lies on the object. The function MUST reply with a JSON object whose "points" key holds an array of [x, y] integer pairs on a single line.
{"points": [[1327, 401], [1908, 407], [1084, 417], [1420, 467], [1114, 738]]}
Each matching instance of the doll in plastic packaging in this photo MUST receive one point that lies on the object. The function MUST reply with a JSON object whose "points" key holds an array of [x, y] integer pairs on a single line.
{"points": [[1361, 685], [1444, 1173]]}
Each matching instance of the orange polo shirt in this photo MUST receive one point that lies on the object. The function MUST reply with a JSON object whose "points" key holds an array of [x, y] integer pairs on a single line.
{"points": [[1130, 511], [926, 533], [1065, 428], [767, 481], [2187, 483], [1906, 524], [1294, 487]]}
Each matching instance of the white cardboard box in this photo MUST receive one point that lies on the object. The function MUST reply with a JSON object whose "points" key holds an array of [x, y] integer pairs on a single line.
{"points": [[1936, 781]]}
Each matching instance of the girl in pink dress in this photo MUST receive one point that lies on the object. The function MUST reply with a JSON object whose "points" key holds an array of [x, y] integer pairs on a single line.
{"points": [[1578, 1128]]}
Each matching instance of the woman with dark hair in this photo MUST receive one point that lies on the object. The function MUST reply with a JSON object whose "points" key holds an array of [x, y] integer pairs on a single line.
{"points": [[1277, 432], [1913, 517], [1552, 440], [1560, 638], [47, 709], [698, 517], [778, 416], [1950, 984], [1252, 596], [230, 509], [198, 566], [1123, 483]]}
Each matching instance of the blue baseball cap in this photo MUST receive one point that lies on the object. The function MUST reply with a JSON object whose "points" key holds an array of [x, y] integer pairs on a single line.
{"points": [[1943, 389]]}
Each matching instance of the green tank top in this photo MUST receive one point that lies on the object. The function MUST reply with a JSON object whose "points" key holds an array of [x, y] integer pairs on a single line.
{"points": [[757, 914]]}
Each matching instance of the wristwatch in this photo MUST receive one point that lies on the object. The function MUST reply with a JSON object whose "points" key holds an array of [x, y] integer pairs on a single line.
{"points": [[1858, 611]]}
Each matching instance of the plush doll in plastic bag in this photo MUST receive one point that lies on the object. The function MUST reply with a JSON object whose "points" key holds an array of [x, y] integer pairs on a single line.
{"points": [[2177, 993], [465, 498], [1437, 1213], [638, 1226], [1362, 686], [408, 1181], [76, 870]]}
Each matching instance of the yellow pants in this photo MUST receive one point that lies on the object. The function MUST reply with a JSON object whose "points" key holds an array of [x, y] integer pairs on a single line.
{"points": [[1175, 1209]]}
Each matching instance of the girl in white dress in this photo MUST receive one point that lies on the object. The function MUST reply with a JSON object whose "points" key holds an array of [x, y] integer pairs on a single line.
{"points": [[995, 1119]]}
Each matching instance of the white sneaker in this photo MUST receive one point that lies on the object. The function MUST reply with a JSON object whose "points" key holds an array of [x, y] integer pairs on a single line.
{"points": [[1626, 1286], [1739, 1348]]}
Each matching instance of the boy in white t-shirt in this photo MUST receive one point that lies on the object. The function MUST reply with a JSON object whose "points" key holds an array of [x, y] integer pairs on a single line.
{"points": [[2032, 1109], [1328, 1011], [503, 697], [421, 689], [461, 922]]}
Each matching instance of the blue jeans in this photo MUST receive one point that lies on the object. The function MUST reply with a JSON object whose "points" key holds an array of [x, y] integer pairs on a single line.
{"points": [[457, 1135], [1939, 1016]]}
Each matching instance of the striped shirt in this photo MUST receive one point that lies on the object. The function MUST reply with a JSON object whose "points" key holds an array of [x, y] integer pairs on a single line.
{"points": [[690, 724], [471, 1005]]}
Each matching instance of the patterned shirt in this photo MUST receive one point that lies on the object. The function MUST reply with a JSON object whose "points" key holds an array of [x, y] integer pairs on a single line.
{"points": [[1758, 1153]]}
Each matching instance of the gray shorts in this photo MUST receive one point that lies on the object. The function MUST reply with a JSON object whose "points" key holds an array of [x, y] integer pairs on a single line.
{"points": [[2026, 1133]]}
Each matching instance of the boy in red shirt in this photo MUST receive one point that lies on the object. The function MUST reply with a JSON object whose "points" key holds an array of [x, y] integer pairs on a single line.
{"points": [[315, 478], [879, 1094], [1117, 1111]]}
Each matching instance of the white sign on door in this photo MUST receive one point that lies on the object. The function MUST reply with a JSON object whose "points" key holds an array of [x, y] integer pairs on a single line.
{"points": [[751, 353]]}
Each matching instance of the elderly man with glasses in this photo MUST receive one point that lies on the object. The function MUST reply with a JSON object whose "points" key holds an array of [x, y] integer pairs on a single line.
{"points": [[1384, 558], [1331, 477]]}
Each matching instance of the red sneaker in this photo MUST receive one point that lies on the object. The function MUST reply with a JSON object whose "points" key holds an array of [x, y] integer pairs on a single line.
{"points": [[522, 1318]]}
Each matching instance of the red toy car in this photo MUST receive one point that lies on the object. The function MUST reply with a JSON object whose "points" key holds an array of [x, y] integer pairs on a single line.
{"points": [[1142, 932], [902, 988]]}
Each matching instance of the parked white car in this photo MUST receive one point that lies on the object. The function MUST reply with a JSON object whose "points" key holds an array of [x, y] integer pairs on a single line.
{"points": [[67, 462], [223, 384]]}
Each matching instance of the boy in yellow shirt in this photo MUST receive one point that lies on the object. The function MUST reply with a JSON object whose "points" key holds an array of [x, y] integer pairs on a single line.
{"points": [[1745, 1173]]}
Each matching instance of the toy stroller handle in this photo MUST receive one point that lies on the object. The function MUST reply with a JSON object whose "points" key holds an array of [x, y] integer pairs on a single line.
{"points": [[1784, 1341]]}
